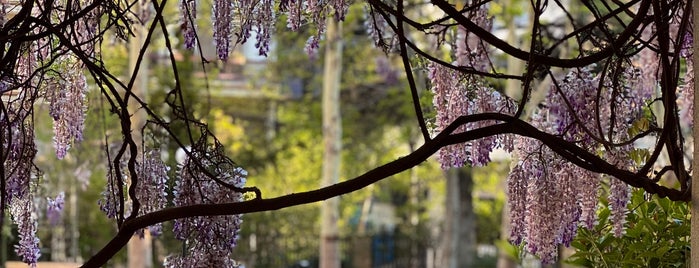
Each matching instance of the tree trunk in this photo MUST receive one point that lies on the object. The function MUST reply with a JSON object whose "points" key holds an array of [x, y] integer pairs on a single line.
{"points": [[332, 133], [140, 251], [460, 221]]}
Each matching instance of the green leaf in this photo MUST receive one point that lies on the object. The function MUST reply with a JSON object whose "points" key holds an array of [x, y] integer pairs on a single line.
{"points": [[511, 251], [579, 262], [577, 244], [605, 241]]}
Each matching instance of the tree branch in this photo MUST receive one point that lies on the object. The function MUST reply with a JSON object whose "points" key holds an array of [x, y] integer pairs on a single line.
{"points": [[509, 124]]}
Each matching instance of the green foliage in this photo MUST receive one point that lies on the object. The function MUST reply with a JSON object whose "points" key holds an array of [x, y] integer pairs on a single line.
{"points": [[657, 235]]}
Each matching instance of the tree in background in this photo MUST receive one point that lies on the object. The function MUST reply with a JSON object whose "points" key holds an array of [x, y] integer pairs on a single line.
{"points": [[629, 79], [376, 118]]}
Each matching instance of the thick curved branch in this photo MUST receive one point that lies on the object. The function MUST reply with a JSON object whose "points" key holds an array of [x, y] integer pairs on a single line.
{"points": [[509, 124]]}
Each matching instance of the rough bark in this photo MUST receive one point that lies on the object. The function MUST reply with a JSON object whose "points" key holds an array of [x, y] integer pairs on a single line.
{"points": [[460, 222], [139, 250]]}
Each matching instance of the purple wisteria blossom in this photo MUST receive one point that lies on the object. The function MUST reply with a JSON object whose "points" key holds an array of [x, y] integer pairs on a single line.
{"points": [[264, 18], [686, 48], [18, 142], [489, 101], [588, 193], [570, 103], [188, 19], [470, 50], [340, 7], [244, 18], [516, 202], [451, 101], [151, 190], [548, 197], [567, 183], [23, 214], [457, 94], [54, 208], [311, 48], [686, 95], [536, 185], [619, 197], [619, 192], [686, 92], [378, 30], [109, 203], [542, 221], [68, 105], [559, 195], [209, 239], [196, 258], [294, 15], [222, 16]]}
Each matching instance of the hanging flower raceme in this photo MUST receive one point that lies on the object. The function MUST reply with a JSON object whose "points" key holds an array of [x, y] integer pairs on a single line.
{"points": [[619, 192], [20, 149], [571, 106], [222, 17], [188, 19], [24, 216], [244, 18], [54, 208], [584, 110], [470, 50], [68, 106], [457, 94], [112, 195], [686, 92], [209, 239], [377, 30], [538, 183], [487, 100], [18, 152], [451, 101], [151, 190]]}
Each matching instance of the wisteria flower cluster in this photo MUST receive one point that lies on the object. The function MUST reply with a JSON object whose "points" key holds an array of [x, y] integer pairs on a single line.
{"points": [[594, 107], [457, 95], [188, 15], [597, 118], [259, 17], [67, 106], [24, 215], [542, 180], [112, 195], [20, 173], [54, 208], [208, 240], [151, 190]]}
